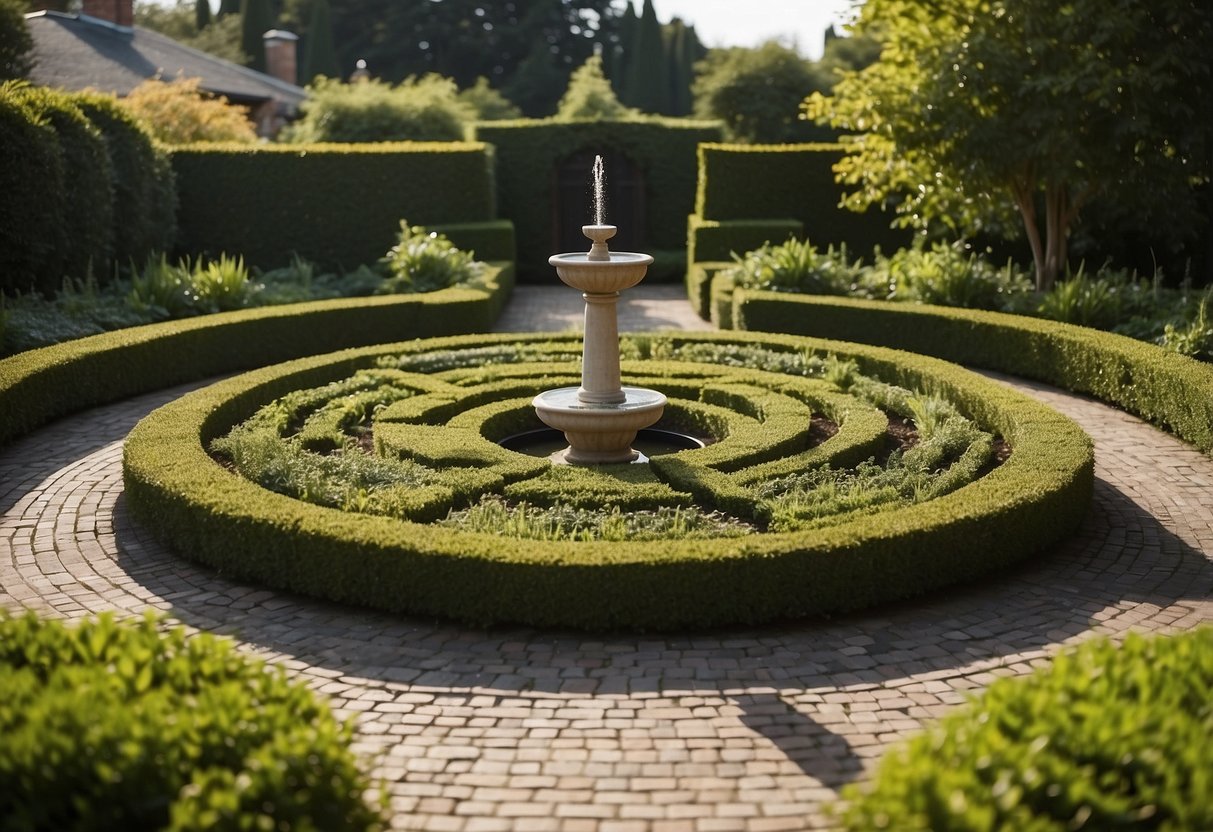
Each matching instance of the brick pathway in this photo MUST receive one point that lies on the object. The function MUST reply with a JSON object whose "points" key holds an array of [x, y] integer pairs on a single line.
{"points": [[517, 729]]}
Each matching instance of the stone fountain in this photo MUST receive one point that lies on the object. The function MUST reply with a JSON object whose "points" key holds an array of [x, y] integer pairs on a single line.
{"points": [[600, 418]]}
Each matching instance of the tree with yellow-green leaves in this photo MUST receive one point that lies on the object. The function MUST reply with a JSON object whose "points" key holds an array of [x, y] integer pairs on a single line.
{"points": [[983, 114], [177, 112]]}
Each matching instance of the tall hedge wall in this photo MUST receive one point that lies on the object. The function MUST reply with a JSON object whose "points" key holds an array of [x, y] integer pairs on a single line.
{"points": [[528, 153], [796, 181], [81, 187], [338, 205]]}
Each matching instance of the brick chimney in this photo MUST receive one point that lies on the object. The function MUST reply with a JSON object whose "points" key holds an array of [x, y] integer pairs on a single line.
{"points": [[280, 59], [118, 12]]}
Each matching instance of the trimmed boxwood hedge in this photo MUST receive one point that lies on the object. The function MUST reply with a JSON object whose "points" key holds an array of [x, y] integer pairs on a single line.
{"points": [[112, 725], [337, 204], [709, 240], [752, 182], [529, 152], [213, 516], [1169, 390], [1104, 737], [40, 385]]}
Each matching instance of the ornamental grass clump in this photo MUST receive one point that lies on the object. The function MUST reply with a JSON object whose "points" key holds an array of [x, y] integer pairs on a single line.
{"points": [[123, 725], [1104, 737]]}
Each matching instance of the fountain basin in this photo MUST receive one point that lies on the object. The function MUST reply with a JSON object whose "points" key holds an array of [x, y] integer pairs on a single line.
{"points": [[622, 271], [599, 433]]}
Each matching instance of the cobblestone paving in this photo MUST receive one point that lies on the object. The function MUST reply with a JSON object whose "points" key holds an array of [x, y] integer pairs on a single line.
{"points": [[518, 729]]}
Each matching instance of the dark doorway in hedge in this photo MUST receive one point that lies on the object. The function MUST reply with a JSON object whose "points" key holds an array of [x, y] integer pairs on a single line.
{"points": [[573, 201]]}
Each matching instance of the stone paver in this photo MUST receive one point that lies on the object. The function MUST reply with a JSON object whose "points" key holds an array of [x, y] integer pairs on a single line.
{"points": [[520, 729]]}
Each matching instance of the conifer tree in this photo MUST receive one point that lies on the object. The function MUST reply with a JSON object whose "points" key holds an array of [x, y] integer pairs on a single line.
{"points": [[319, 54], [256, 20], [620, 57], [202, 14], [227, 7], [647, 86]]}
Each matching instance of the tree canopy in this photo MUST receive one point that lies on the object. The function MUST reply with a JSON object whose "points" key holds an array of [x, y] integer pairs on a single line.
{"points": [[978, 110], [757, 92]]}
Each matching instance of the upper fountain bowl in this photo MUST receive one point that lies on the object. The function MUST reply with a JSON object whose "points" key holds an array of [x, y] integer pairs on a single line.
{"points": [[601, 271]]}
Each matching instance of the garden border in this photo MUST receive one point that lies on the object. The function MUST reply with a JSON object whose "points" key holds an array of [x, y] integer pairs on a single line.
{"points": [[1154, 384], [211, 515], [39, 385]]}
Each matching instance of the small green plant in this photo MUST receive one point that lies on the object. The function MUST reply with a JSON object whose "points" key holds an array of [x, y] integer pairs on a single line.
{"points": [[1194, 338], [842, 373], [112, 725], [221, 285], [1105, 737], [950, 275], [795, 266], [163, 290], [494, 515], [425, 261], [1084, 301], [930, 414]]}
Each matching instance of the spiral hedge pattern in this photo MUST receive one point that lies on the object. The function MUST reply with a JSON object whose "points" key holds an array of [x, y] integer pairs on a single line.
{"points": [[436, 409]]}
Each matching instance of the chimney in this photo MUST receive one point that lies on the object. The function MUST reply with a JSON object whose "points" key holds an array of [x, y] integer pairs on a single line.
{"points": [[280, 48], [118, 12]]}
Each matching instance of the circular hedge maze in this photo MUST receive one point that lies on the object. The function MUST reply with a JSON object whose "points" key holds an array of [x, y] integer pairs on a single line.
{"points": [[835, 476]]}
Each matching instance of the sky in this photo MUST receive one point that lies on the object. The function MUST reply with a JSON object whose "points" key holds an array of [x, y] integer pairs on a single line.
{"points": [[751, 22]]}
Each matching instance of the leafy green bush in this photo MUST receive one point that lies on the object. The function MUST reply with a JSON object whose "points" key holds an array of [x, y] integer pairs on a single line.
{"points": [[949, 275], [112, 725], [418, 109], [487, 103], [1105, 737], [425, 261], [795, 266], [1194, 337], [590, 96], [177, 112]]}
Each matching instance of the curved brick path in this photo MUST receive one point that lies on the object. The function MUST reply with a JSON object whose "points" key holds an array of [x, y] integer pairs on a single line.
{"points": [[517, 729]]}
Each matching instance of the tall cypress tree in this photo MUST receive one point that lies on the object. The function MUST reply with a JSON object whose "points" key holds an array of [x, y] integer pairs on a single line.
{"points": [[227, 7], [319, 54], [647, 85], [678, 63], [256, 19], [620, 56], [202, 14]]}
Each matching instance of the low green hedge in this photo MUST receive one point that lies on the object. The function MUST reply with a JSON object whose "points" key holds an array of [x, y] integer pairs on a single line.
{"points": [[123, 726], [1105, 737], [1169, 390], [212, 515], [339, 205], [40, 385], [709, 240]]}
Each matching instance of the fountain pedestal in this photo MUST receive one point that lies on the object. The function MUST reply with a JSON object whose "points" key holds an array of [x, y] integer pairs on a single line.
{"points": [[601, 417]]}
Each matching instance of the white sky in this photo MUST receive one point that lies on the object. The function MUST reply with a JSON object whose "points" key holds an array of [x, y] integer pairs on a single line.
{"points": [[799, 23]]}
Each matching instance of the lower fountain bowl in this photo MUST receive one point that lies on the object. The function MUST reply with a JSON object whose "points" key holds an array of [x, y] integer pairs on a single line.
{"points": [[599, 434]]}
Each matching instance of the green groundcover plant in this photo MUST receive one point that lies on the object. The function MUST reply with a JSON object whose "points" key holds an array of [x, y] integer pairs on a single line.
{"points": [[421, 261], [110, 725], [958, 275], [1106, 737]]}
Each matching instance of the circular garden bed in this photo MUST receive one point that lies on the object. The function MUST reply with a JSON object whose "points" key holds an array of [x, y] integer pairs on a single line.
{"points": [[836, 476]]}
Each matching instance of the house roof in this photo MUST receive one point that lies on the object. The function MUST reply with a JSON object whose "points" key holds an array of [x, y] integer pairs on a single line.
{"points": [[77, 51]]}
